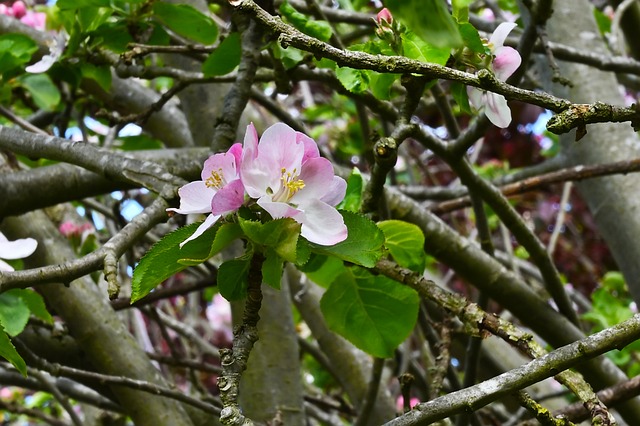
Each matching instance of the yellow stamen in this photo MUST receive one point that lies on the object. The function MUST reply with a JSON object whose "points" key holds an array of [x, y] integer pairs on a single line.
{"points": [[215, 180], [291, 184]]}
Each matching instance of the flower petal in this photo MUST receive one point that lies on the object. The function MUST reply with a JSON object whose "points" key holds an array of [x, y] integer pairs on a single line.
{"points": [[278, 210], [322, 224], [279, 148], [317, 175], [221, 166], [195, 197], [208, 223], [310, 146], [4, 266], [236, 151], [18, 249], [506, 62], [250, 144], [476, 97], [229, 198], [497, 110], [500, 35], [336, 192]]}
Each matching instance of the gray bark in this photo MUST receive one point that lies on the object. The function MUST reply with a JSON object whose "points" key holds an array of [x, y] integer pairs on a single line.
{"points": [[613, 201]]}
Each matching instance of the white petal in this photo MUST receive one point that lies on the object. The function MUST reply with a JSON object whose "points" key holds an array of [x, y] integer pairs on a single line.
{"points": [[322, 224], [497, 110], [506, 62], [4, 266], [500, 34], [18, 249], [337, 191], [208, 223], [278, 210], [195, 197]]}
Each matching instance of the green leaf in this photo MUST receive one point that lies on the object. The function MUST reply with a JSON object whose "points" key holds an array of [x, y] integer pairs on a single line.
{"points": [[363, 245], [272, 269], [99, 74], [14, 312], [35, 303], [8, 352], [381, 83], [280, 234], [44, 93], [318, 29], [225, 58], [429, 19], [323, 270], [80, 4], [232, 277], [603, 21], [405, 242], [15, 50], [374, 313], [290, 56], [227, 233], [138, 142], [353, 80], [416, 48], [163, 258], [459, 93], [186, 21], [461, 9], [471, 38], [353, 198], [113, 36]]}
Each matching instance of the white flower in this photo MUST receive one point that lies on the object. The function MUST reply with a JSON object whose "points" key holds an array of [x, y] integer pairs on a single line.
{"points": [[15, 250]]}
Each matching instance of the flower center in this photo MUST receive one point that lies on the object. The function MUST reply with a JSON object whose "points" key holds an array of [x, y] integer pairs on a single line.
{"points": [[215, 180], [291, 183]]}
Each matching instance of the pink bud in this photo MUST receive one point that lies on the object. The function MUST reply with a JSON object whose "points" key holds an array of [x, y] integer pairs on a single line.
{"points": [[3, 9], [19, 9], [384, 15]]}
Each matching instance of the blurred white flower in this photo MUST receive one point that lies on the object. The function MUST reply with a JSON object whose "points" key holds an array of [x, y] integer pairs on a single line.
{"points": [[15, 250]]}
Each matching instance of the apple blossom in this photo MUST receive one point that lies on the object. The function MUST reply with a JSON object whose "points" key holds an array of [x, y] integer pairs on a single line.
{"points": [[219, 192], [287, 176], [56, 48], [15, 250], [505, 61]]}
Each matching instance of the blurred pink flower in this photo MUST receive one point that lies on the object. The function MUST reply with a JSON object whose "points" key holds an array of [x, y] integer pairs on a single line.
{"points": [[506, 61], [35, 20], [17, 249], [285, 173], [219, 316], [400, 403]]}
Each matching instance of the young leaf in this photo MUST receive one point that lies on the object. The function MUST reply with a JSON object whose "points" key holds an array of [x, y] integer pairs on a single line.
{"points": [[429, 19], [405, 242], [374, 313], [8, 352], [471, 38], [353, 80], [186, 21], [35, 303], [272, 269], [363, 245], [163, 259], [353, 198], [232, 277], [44, 93], [14, 312], [227, 233], [416, 48], [459, 93], [100, 74], [318, 29], [280, 234], [225, 58]]}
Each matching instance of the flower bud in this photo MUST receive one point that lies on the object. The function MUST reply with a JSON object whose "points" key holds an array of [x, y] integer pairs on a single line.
{"points": [[19, 9], [384, 15]]}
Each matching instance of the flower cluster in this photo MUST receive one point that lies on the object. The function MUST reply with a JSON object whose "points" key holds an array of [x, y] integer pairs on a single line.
{"points": [[15, 250], [282, 173], [505, 61], [19, 11]]}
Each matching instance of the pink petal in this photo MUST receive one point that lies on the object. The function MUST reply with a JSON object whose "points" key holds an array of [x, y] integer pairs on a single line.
{"points": [[336, 192], [250, 143], [506, 62], [208, 223], [500, 35], [236, 151], [257, 177], [229, 198], [497, 110], [224, 165], [310, 146], [317, 175], [278, 210], [195, 197], [322, 224], [278, 148], [17, 249]]}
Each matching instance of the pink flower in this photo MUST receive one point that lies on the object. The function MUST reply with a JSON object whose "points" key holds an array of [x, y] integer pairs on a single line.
{"points": [[400, 403], [220, 191], [384, 15], [15, 250], [287, 176], [34, 19], [19, 9], [506, 61]]}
